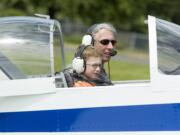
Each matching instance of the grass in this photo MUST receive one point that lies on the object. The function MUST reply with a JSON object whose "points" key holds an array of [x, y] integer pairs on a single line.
{"points": [[128, 71]]}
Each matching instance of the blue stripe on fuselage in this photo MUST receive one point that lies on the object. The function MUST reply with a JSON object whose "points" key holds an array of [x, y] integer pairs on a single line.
{"points": [[161, 117]]}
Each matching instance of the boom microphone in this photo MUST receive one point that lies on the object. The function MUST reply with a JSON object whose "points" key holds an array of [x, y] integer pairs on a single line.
{"points": [[113, 52]]}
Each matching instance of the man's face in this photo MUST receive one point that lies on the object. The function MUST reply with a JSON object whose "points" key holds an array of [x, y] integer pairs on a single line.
{"points": [[93, 67], [105, 41]]}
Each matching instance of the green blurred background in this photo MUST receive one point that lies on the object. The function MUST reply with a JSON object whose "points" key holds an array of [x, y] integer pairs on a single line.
{"points": [[128, 16]]}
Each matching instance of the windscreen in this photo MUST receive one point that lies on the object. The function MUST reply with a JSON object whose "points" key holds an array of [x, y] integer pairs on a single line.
{"points": [[168, 43], [25, 49]]}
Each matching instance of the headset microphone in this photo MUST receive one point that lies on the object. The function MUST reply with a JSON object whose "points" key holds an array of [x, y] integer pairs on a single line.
{"points": [[113, 52]]}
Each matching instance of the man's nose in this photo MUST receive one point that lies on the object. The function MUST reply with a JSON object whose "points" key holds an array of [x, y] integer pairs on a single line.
{"points": [[110, 45]]}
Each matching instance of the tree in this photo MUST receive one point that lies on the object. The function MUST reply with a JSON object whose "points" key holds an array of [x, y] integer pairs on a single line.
{"points": [[124, 14]]}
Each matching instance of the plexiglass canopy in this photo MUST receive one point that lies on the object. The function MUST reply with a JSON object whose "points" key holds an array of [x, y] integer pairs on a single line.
{"points": [[168, 43], [27, 49]]}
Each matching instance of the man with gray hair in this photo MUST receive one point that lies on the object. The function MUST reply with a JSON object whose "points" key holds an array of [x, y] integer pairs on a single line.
{"points": [[103, 38]]}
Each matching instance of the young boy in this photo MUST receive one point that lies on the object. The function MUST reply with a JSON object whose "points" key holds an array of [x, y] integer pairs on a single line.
{"points": [[87, 65]]}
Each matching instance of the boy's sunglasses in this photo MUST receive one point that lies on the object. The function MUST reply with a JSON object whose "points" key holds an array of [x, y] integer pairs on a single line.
{"points": [[107, 41]]}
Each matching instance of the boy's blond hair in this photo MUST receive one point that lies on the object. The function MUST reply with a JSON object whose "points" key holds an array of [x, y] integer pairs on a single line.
{"points": [[90, 51]]}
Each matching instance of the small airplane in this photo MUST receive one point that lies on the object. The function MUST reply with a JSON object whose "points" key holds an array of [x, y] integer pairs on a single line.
{"points": [[35, 100]]}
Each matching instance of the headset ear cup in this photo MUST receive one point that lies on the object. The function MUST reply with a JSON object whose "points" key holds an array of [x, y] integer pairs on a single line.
{"points": [[87, 40], [78, 65]]}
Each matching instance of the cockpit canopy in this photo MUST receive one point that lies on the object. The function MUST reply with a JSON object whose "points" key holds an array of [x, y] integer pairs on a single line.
{"points": [[27, 49], [168, 47]]}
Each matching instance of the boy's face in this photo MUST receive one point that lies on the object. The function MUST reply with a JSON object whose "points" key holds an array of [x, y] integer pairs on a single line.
{"points": [[93, 67]]}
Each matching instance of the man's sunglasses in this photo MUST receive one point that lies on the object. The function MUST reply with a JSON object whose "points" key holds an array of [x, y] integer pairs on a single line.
{"points": [[107, 41]]}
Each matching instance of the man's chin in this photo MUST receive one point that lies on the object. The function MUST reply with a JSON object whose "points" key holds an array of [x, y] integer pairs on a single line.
{"points": [[106, 59]]}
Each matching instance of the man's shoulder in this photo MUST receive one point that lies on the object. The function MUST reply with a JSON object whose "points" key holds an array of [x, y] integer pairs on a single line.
{"points": [[104, 79]]}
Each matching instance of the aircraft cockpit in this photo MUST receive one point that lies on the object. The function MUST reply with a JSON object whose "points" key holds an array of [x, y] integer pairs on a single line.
{"points": [[32, 50]]}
